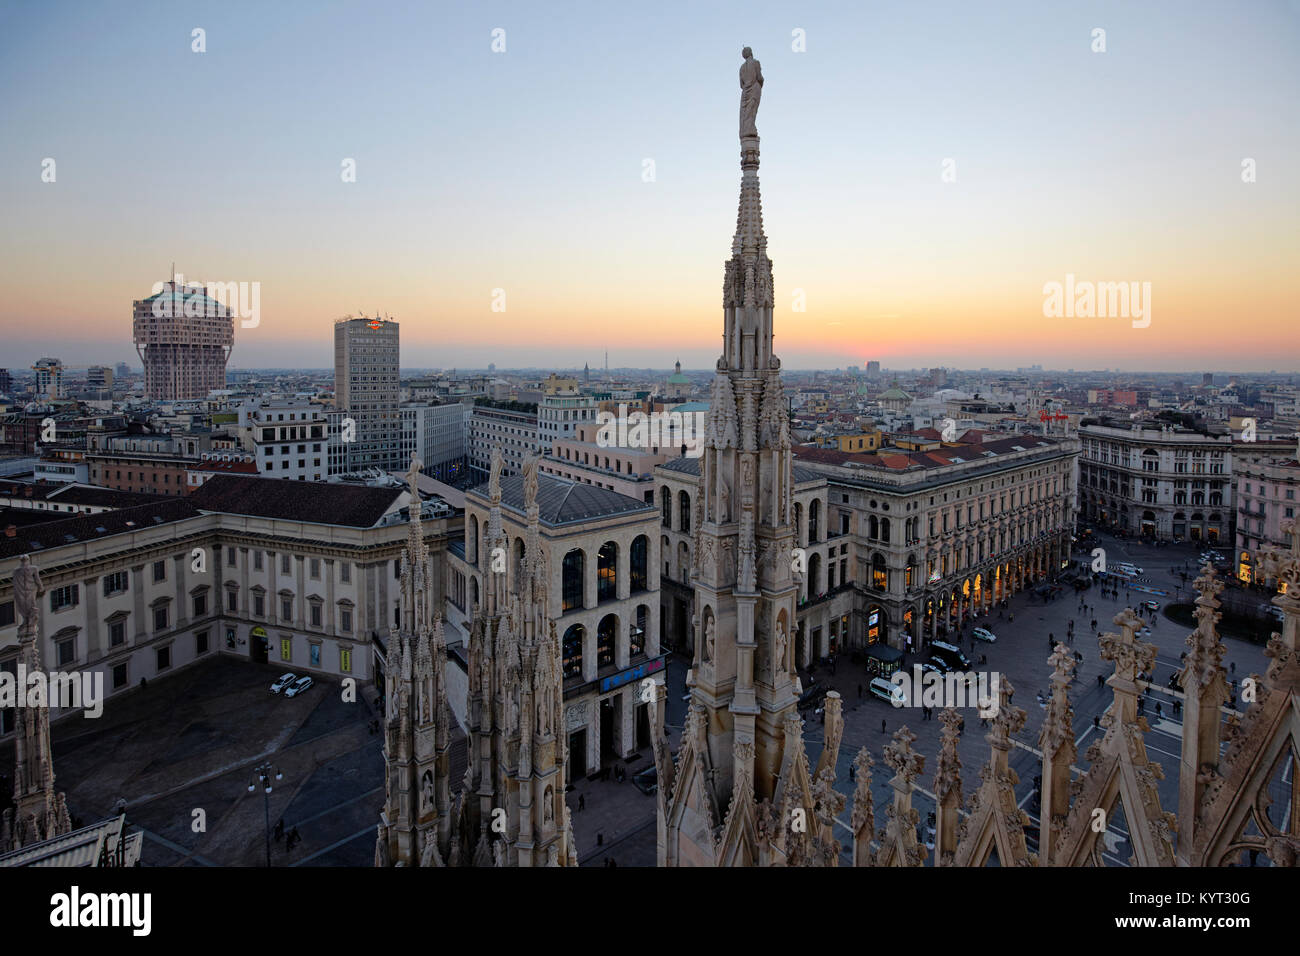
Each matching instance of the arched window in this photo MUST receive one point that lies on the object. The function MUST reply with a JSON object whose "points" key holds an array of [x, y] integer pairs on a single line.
{"points": [[571, 588], [683, 562], [607, 572], [814, 508], [873, 527], [683, 512], [571, 651], [879, 574], [909, 572], [814, 574], [637, 637], [606, 635], [471, 541], [884, 530], [640, 574], [666, 506]]}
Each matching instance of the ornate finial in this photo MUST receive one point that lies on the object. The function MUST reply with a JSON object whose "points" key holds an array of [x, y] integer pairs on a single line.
{"points": [[947, 771], [1009, 720], [901, 758]]}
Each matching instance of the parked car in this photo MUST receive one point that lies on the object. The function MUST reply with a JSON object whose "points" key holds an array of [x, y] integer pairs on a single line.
{"points": [[812, 695], [647, 781], [950, 655], [928, 666], [283, 681], [298, 686], [984, 634], [887, 690]]}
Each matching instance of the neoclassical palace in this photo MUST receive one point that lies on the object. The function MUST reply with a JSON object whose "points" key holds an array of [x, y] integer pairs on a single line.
{"points": [[900, 548]]}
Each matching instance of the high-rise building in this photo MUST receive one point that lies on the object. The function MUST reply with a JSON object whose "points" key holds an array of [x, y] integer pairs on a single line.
{"points": [[873, 370], [121, 371], [49, 377], [184, 338], [367, 390], [6, 382]]}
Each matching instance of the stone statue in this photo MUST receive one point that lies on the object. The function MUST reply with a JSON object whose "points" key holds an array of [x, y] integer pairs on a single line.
{"points": [[708, 639], [411, 475], [751, 89], [780, 647], [724, 510], [530, 482], [426, 792], [27, 590]]}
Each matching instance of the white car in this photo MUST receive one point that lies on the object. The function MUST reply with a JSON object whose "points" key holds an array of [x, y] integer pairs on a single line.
{"points": [[984, 634], [283, 681], [298, 686]]}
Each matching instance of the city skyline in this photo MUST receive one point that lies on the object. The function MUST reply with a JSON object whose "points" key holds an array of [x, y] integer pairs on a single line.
{"points": [[464, 186]]}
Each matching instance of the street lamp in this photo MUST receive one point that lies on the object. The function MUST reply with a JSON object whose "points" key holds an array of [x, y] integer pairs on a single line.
{"points": [[264, 773]]}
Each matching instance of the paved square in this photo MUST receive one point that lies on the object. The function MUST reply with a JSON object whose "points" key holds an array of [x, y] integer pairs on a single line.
{"points": [[189, 742]]}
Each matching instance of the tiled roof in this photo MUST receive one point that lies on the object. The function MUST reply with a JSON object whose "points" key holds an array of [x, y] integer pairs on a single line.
{"points": [[55, 534], [94, 497], [355, 506]]}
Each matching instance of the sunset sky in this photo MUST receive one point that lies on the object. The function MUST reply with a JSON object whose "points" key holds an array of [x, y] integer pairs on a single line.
{"points": [[523, 171]]}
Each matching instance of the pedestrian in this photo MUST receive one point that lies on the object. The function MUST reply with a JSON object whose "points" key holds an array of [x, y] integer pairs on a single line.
{"points": [[1160, 712], [1096, 723], [1232, 667], [853, 772], [1101, 680], [882, 726], [582, 802], [1051, 644], [1069, 638]]}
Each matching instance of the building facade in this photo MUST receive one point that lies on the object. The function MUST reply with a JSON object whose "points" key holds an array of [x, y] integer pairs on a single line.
{"points": [[514, 431], [287, 438], [1166, 482], [602, 579], [367, 390], [1267, 488], [184, 338], [303, 575]]}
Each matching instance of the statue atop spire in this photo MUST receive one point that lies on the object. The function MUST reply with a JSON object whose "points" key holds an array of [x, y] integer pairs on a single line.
{"points": [[751, 90]]}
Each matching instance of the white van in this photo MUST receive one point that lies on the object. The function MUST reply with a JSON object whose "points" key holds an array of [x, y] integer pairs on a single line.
{"points": [[887, 690]]}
